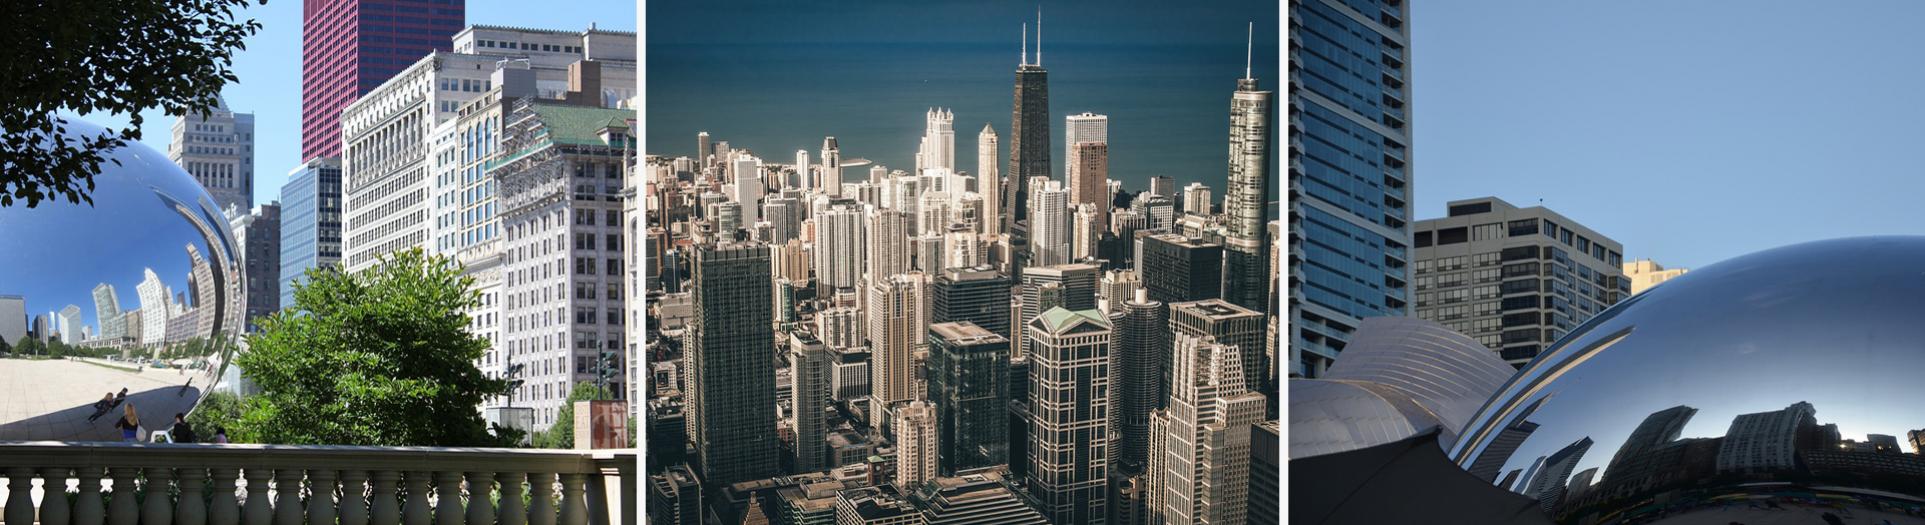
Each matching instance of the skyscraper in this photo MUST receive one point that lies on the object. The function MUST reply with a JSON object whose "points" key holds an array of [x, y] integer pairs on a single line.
{"points": [[1029, 132], [1200, 445], [154, 308], [809, 362], [889, 246], [989, 183], [1075, 286], [841, 244], [310, 221], [916, 443], [13, 318], [979, 296], [1069, 441], [345, 53], [831, 172], [969, 385], [1246, 206], [1196, 199], [1175, 268], [898, 311], [1137, 362], [1050, 225], [106, 310], [938, 142], [1371, 151], [1087, 144], [1230, 325], [258, 235], [731, 394], [217, 149]]}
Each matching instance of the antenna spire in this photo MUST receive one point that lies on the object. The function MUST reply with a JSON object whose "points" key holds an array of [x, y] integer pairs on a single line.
{"points": [[1023, 60], [1039, 35], [1249, 44]]}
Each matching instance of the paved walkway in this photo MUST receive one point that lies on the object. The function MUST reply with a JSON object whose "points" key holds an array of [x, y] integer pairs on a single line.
{"points": [[52, 399]]}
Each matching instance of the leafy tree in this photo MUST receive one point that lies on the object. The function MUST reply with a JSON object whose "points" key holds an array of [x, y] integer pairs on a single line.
{"points": [[380, 357], [562, 433], [30, 346], [116, 56], [218, 410]]}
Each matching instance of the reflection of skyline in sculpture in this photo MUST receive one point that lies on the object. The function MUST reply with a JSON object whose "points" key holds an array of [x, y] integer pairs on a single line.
{"points": [[1399, 376]]}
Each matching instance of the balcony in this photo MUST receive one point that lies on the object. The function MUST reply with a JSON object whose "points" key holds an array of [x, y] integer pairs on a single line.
{"points": [[160, 484]]}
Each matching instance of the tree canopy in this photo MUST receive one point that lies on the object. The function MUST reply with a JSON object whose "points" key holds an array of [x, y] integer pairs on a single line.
{"points": [[380, 357], [562, 433], [113, 56]]}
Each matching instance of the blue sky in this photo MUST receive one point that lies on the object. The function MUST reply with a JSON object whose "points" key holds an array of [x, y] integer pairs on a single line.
{"points": [[270, 74], [1691, 132]]}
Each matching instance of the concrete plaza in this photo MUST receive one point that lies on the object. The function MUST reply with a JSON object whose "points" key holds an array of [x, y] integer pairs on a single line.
{"points": [[50, 400]]}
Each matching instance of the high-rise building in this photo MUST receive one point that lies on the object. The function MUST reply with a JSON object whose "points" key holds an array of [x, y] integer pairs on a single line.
{"points": [[1087, 144], [106, 311], [217, 149], [71, 325], [154, 308], [1646, 273], [1196, 199], [1086, 232], [841, 244], [349, 47], [1351, 248], [310, 221], [809, 368], [1049, 225], [1200, 449], [1175, 268], [989, 183], [1029, 141], [1074, 289], [258, 235], [557, 185], [1137, 362], [731, 392], [977, 295], [1069, 441], [888, 243], [674, 497], [1246, 203], [977, 498], [831, 172], [1764, 441], [916, 444], [1514, 279], [13, 318], [1116, 287], [1229, 325], [1266, 489], [898, 312], [938, 149], [1551, 482], [969, 386]]}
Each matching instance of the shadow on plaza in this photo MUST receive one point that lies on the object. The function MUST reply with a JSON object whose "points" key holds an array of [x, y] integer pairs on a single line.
{"points": [[156, 408]]}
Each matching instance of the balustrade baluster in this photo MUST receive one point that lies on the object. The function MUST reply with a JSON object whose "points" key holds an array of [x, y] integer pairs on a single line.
{"points": [[191, 509], [447, 509], [417, 511], [481, 489], [226, 508], [123, 510], [513, 512], [20, 496], [320, 498], [384, 510], [257, 511], [574, 508], [158, 505], [287, 496], [541, 500], [53, 499], [354, 499], [88, 508]]}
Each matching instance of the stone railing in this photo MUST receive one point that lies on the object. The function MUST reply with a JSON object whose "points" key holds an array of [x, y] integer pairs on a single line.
{"points": [[205, 484]]}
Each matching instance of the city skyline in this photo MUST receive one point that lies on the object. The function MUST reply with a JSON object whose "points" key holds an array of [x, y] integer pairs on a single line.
{"points": [[269, 73]]}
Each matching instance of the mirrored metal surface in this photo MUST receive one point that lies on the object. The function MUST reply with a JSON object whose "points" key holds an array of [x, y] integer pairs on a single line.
{"points": [[1783, 381], [127, 306]]}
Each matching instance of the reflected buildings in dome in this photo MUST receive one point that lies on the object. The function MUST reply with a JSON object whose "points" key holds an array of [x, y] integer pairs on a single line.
{"points": [[138, 293], [1775, 379], [1399, 376]]}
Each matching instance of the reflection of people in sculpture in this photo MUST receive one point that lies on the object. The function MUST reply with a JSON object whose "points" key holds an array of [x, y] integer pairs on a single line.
{"points": [[101, 407]]}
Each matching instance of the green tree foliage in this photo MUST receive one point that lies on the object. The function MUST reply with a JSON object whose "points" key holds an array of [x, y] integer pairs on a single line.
{"points": [[29, 346], [380, 357], [562, 433], [112, 56], [218, 410]]}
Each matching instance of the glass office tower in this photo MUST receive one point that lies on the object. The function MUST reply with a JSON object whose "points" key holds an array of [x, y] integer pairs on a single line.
{"points": [[1350, 172]]}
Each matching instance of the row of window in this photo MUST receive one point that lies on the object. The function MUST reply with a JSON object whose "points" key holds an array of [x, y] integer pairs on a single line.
{"points": [[525, 46], [1499, 230]]}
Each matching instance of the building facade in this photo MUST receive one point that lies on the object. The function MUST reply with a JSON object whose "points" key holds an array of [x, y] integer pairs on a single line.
{"points": [[731, 392], [1514, 279], [349, 47], [1069, 441], [1646, 273], [1175, 268], [1200, 446], [258, 235], [969, 387], [310, 222], [1350, 165], [217, 149]]}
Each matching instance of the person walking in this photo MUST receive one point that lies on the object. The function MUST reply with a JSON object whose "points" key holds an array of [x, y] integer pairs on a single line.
{"points": [[129, 424]]}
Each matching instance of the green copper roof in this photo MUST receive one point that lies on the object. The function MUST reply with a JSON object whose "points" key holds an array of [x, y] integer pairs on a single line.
{"points": [[1058, 319], [581, 125]]}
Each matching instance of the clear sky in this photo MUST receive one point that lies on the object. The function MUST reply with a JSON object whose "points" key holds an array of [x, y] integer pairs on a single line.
{"points": [[1691, 132], [270, 74]]}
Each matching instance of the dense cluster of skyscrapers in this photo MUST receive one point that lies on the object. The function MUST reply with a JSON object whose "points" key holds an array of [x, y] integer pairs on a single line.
{"points": [[1003, 345]]}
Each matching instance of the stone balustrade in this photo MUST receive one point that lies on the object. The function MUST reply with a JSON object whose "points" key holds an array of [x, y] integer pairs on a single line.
{"points": [[206, 484]]}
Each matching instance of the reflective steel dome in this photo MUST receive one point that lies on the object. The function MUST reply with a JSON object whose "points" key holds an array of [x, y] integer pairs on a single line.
{"points": [[139, 293], [1786, 380]]}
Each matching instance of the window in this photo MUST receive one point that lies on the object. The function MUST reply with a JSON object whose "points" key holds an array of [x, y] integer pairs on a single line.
{"points": [[1483, 232], [1523, 227], [1470, 208], [1452, 235], [1423, 239]]}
